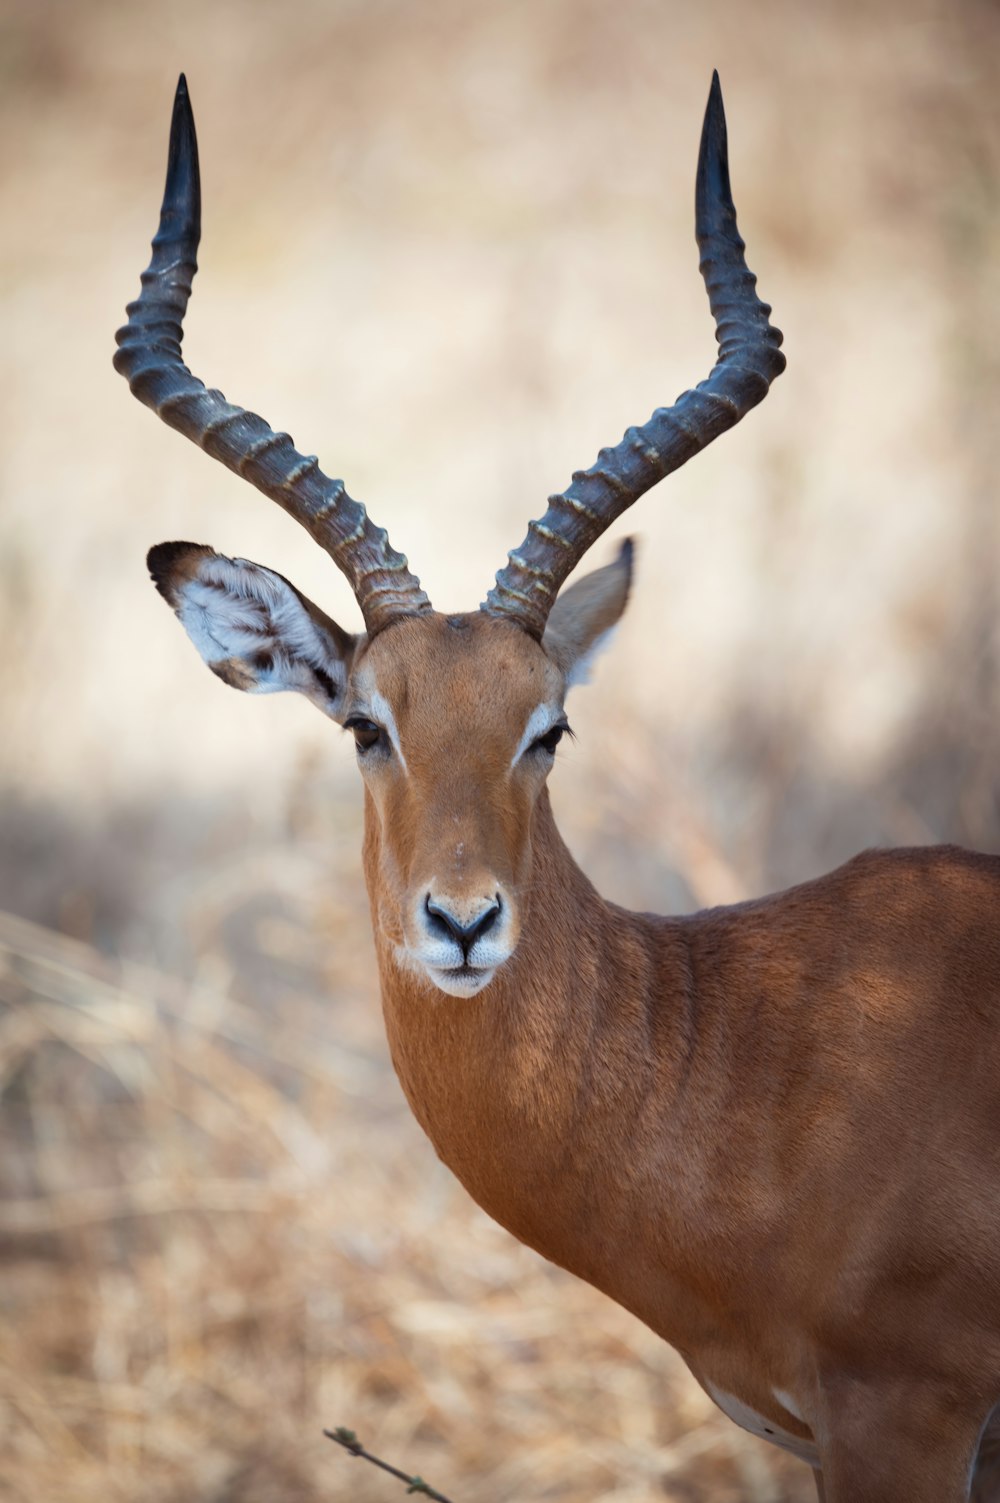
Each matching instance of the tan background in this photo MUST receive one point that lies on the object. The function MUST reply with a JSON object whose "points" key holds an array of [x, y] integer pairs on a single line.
{"points": [[449, 247]]}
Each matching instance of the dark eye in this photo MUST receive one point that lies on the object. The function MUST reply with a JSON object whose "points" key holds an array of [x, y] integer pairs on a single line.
{"points": [[366, 733], [550, 740]]}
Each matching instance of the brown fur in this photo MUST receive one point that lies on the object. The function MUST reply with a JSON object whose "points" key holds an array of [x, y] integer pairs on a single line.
{"points": [[772, 1131]]}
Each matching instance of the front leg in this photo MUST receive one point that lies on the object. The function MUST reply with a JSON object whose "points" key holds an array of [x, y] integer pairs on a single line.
{"points": [[895, 1444]]}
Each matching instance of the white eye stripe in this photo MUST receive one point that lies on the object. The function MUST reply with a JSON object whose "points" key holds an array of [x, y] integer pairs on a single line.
{"points": [[540, 720], [382, 713]]}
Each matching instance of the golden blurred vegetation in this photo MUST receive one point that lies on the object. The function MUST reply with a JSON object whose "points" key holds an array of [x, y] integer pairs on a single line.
{"points": [[449, 247]]}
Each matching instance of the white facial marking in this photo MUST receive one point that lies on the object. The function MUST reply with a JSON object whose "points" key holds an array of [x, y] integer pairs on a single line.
{"points": [[460, 969], [460, 983], [748, 1419], [453, 982], [441, 952], [540, 720], [382, 713]]}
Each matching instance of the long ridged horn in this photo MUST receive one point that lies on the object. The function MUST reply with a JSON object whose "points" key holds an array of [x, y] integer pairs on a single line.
{"points": [[749, 360], [149, 356]]}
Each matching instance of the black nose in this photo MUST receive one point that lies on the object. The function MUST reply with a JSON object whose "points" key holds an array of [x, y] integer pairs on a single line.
{"points": [[445, 923]]}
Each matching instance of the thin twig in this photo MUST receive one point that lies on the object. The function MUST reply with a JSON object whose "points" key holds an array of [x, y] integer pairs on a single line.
{"points": [[350, 1442]]}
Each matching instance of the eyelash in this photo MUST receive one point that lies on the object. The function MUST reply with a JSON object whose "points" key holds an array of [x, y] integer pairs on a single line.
{"points": [[362, 726], [550, 740], [368, 735]]}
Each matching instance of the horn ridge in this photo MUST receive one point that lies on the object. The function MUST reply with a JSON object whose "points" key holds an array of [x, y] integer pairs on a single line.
{"points": [[749, 359], [149, 356]]}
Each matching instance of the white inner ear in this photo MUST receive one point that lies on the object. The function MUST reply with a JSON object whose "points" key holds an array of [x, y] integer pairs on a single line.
{"points": [[581, 669], [233, 608]]}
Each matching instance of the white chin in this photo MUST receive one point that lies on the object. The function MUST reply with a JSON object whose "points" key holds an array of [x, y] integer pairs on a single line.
{"points": [[461, 983]]}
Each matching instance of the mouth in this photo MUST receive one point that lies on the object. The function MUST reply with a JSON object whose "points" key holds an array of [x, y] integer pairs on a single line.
{"points": [[462, 980]]}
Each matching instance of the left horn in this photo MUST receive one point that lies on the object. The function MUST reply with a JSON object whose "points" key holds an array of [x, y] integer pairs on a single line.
{"points": [[749, 360], [149, 356]]}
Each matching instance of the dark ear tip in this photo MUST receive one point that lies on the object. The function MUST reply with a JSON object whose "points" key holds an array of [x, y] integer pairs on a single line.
{"points": [[626, 557], [164, 562]]}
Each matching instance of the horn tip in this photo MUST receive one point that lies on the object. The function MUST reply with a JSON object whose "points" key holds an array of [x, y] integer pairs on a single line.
{"points": [[712, 187], [182, 98], [182, 191], [715, 108], [182, 103]]}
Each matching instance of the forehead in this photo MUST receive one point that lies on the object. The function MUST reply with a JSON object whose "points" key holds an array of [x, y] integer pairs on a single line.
{"points": [[428, 665]]}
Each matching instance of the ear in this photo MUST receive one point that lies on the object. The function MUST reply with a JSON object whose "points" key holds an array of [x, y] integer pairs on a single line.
{"points": [[254, 630], [584, 616]]}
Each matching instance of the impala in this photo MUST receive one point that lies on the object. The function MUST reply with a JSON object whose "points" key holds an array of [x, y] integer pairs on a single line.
{"points": [[771, 1131]]}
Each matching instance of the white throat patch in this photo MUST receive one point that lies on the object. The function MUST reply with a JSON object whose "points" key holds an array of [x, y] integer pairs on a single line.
{"points": [[748, 1419]]}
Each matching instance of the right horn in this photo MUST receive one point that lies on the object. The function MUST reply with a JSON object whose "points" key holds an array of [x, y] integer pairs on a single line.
{"points": [[749, 360], [149, 356]]}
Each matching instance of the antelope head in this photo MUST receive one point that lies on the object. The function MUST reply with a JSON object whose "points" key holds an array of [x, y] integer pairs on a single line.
{"points": [[455, 718]]}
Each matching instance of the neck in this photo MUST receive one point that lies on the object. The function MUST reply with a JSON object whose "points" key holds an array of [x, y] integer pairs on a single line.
{"points": [[524, 1088]]}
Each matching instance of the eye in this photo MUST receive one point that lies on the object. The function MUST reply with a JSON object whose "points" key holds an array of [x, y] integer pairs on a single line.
{"points": [[550, 740], [366, 733]]}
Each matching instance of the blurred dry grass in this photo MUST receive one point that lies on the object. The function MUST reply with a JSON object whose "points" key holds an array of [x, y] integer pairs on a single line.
{"points": [[225, 1232], [449, 247]]}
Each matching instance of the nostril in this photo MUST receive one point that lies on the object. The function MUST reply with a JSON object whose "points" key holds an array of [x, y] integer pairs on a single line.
{"points": [[488, 919], [440, 921], [445, 923]]}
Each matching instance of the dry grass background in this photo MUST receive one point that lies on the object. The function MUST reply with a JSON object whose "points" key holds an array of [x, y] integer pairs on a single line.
{"points": [[449, 247]]}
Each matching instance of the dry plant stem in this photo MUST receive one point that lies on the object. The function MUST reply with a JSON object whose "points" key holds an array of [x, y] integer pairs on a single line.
{"points": [[350, 1442]]}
